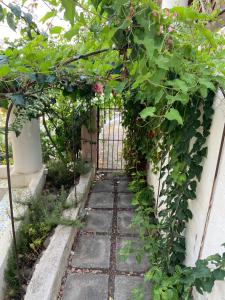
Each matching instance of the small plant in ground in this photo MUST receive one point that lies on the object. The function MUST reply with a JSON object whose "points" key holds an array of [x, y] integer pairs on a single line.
{"points": [[179, 285], [44, 213], [61, 173]]}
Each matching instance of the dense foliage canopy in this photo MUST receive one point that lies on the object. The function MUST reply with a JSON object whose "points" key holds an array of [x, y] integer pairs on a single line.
{"points": [[166, 65]]}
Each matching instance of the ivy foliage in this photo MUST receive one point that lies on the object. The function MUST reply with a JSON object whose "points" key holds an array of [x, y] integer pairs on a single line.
{"points": [[167, 66]]}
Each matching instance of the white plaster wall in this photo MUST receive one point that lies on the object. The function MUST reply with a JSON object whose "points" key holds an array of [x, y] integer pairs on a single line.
{"points": [[216, 229], [199, 207], [27, 154], [153, 179], [215, 236]]}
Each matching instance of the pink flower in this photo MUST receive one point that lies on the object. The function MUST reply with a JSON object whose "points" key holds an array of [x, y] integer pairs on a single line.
{"points": [[174, 15], [170, 29], [97, 88]]}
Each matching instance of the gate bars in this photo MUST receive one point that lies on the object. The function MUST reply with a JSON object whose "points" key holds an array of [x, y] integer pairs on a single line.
{"points": [[110, 139]]}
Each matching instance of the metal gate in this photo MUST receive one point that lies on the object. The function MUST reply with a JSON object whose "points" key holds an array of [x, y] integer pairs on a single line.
{"points": [[110, 139]]}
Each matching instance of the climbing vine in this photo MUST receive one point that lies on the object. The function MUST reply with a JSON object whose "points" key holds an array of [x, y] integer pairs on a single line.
{"points": [[167, 66]]}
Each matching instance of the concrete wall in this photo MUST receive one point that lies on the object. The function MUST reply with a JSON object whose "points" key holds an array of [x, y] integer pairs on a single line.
{"points": [[27, 154], [215, 233], [203, 240], [215, 230]]}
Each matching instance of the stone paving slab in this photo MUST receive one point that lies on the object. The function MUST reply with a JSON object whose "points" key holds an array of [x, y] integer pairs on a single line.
{"points": [[122, 177], [123, 186], [125, 284], [131, 264], [124, 220], [101, 200], [124, 200], [2, 192], [103, 186], [92, 252], [99, 221], [86, 287]]}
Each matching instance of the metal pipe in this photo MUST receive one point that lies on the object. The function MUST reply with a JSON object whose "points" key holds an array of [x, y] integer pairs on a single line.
{"points": [[10, 192]]}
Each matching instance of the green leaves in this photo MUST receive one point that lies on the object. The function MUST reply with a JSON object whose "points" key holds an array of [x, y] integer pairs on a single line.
{"points": [[147, 42], [28, 18], [208, 34], [96, 3], [162, 62], [11, 21], [16, 10], [187, 14], [149, 45], [69, 7], [179, 97], [48, 15], [207, 82], [18, 99], [3, 60], [174, 115], [178, 84], [2, 15], [56, 30], [125, 24], [154, 68], [73, 31], [147, 112], [10, 17], [219, 274], [4, 70]]}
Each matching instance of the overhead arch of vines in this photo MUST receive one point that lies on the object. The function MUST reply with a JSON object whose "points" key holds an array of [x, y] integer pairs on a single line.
{"points": [[167, 66]]}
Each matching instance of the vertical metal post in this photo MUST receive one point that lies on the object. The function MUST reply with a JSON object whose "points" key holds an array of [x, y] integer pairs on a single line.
{"points": [[118, 142], [122, 141], [91, 128], [74, 156], [10, 192], [108, 138], [114, 121], [98, 132], [103, 137]]}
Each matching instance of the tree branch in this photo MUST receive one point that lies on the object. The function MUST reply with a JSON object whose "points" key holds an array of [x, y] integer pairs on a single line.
{"points": [[221, 12], [35, 27], [84, 56], [51, 139]]}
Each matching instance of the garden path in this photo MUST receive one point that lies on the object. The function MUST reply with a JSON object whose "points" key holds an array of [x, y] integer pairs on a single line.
{"points": [[95, 270]]}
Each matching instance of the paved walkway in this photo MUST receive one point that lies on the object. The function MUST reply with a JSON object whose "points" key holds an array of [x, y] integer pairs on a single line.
{"points": [[95, 270]]}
